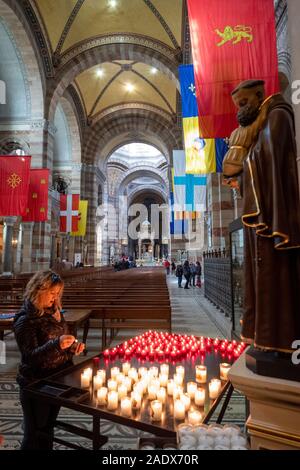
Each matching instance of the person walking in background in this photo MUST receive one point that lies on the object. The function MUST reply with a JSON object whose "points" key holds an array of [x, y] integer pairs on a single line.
{"points": [[179, 274], [173, 267], [167, 266], [198, 274], [193, 274], [186, 273]]}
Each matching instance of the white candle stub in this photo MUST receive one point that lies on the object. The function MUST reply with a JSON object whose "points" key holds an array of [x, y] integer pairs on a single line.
{"points": [[156, 410]]}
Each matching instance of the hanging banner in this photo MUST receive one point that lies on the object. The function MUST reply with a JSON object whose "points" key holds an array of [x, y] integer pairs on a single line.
{"points": [[82, 218], [230, 43], [37, 205], [14, 184], [201, 154], [189, 190], [69, 209]]}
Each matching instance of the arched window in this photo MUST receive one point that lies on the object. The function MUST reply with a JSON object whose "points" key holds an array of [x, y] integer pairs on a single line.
{"points": [[14, 147]]}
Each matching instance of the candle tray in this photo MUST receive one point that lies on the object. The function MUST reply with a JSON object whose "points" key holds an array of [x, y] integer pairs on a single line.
{"points": [[62, 391]]}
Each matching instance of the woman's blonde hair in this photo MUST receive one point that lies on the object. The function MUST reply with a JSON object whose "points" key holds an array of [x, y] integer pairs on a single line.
{"points": [[42, 280]]}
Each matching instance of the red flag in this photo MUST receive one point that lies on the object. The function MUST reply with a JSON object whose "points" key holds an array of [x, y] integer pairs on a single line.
{"points": [[14, 184], [37, 206], [231, 42], [69, 212]]}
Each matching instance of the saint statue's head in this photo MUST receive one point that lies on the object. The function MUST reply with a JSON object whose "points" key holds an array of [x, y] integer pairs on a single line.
{"points": [[248, 97]]}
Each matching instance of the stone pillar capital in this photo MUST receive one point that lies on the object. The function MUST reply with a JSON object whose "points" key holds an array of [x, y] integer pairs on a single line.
{"points": [[10, 221]]}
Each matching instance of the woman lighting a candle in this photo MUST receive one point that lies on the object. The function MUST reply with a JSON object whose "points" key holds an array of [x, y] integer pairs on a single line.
{"points": [[46, 347]]}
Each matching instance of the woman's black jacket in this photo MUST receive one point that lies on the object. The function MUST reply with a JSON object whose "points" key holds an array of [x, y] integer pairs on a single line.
{"points": [[38, 340]]}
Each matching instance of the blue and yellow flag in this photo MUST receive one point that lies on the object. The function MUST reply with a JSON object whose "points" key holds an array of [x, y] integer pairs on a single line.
{"points": [[202, 155]]}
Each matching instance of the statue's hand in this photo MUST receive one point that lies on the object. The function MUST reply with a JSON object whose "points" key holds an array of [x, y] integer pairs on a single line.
{"points": [[232, 182]]}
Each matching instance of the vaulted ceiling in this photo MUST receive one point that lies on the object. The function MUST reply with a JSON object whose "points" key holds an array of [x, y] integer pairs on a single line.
{"points": [[71, 23]]}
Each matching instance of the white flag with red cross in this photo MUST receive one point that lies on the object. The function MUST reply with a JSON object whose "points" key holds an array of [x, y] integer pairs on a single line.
{"points": [[69, 212]]}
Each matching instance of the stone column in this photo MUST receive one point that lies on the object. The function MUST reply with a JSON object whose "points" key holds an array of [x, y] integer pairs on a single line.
{"points": [[7, 245], [17, 267], [27, 233], [293, 28]]}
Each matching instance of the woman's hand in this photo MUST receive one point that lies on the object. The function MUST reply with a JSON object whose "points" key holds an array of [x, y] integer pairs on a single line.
{"points": [[78, 348], [57, 315], [65, 341]]}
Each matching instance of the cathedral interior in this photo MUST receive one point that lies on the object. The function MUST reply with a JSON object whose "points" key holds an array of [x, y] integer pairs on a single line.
{"points": [[90, 90]]}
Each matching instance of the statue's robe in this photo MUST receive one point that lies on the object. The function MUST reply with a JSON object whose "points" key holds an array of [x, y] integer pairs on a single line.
{"points": [[271, 218]]}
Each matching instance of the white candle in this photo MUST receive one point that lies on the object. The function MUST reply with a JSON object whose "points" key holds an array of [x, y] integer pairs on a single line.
{"points": [[180, 370], [122, 391], [201, 374], [88, 372], [112, 400], [177, 391], [194, 417], [102, 373], [178, 379], [224, 369], [133, 374], [153, 371], [112, 385], [162, 395], [179, 410], [163, 378], [97, 382], [145, 384], [191, 389], [120, 378], [170, 386], [152, 392], [85, 380], [155, 383], [125, 367], [186, 400], [136, 400], [126, 407], [200, 397], [164, 369], [128, 383], [102, 396], [143, 371], [114, 372], [139, 388], [156, 410], [214, 388]]}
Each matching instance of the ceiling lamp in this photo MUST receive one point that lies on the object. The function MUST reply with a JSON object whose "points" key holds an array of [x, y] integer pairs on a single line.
{"points": [[100, 73], [153, 70], [129, 87], [112, 3]]}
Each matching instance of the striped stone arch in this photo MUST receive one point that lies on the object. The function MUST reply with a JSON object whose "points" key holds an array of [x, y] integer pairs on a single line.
{"points": [[24, 46], [109, 48], [150, 189], [141, 171], [70, 114], [129, 126]]}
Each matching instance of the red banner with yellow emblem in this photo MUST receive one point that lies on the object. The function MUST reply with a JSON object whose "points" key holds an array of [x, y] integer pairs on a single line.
{"points": [[37, 206], [14, 184], [231, 42]]}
